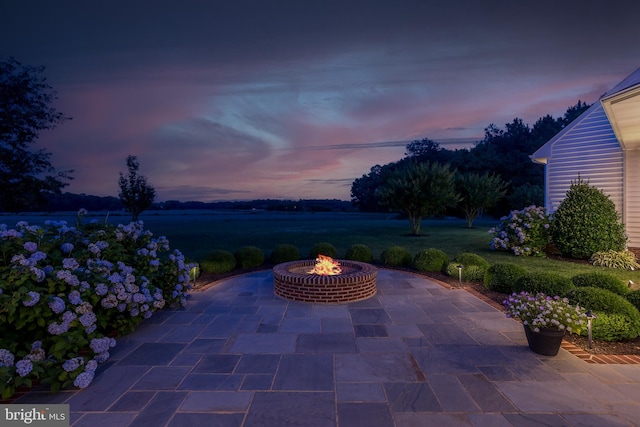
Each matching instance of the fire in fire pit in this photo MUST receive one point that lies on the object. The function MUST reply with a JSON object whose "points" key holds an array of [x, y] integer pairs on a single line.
{"points": [[326, 266]]}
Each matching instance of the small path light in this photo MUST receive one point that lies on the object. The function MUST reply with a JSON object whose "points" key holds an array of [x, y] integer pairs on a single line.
{"points": [[590, 317], [193, 273], [460, 274]]}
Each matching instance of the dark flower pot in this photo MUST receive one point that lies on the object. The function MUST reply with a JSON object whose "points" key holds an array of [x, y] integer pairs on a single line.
{"points": [[546, 342]]}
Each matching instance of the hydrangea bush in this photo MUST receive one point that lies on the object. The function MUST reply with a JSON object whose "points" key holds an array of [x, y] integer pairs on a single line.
{"points": [[524, 232], [66, 290], [540, 311]]}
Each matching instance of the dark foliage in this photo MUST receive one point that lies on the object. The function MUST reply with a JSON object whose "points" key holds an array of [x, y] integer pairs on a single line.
{"points": [[359, 252], [285, 252], [26, 110], [249, 257]]}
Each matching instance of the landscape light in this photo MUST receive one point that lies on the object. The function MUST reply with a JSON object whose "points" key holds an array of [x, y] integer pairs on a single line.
{"points": [[590, 317]]}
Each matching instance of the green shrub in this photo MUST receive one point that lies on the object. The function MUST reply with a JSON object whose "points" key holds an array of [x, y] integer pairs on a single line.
{"points": [[432, 260], [524, 232], [601, 280], [396, 256], [323, 248], [285, 252], [467, 259], [547, 282], [612, 327], [359, 252], [218, 261], [473, 267], [602, 301], [249, 257], [623, 260], [500, 277], [634, 298], [471, 273], [587, 222]]}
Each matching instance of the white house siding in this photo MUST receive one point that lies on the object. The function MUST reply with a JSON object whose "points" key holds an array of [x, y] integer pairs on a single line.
{"points": [[631, 216], [590, 149]]}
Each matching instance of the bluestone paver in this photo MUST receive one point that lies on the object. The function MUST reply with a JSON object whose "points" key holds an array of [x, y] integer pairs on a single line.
{"points": [[417, 353]]}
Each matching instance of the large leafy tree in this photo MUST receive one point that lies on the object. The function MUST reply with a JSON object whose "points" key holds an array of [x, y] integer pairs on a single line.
{"points": [[136, 193], [26, 175], [364, 190], [479, 192], [419, 189]]}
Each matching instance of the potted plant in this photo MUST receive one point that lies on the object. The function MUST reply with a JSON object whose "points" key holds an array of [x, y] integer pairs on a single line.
{"points": [[545, 319]]}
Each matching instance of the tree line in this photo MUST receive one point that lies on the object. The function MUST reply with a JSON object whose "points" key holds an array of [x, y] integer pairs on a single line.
{"points": [[28, 179], [495, 175]]}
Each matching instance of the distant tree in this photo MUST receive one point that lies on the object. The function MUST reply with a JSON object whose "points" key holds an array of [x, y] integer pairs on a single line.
{"points": [[478, 193], [135, 193], [526, 195], [364, 190], [419, 189], [574, 111], [26, 176], [503, 151]]}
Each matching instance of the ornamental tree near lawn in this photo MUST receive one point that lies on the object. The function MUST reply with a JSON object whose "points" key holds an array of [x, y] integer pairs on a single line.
{"points": [[135, 193], [419, 189]]}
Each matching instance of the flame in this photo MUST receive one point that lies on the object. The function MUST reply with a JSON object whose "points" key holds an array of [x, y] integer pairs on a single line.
{"points": [[326, 266]]}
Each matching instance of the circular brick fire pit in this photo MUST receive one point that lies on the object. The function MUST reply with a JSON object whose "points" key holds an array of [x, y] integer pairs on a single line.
{"points": [[292, 281]]}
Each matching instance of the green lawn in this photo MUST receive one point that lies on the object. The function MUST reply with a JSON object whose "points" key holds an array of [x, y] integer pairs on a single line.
{"points": [[196, 233]]}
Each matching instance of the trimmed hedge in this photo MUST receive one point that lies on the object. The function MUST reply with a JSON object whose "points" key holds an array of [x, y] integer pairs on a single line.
{"points": [[468, 258], [432, 260], [606, 304], [601, 280], [634, 298], [473, 267], [285, 252], [249, 257], [612, 327], [470, 273], [396, 256], [218, 261], [501, 276], [547, 282], [359, 252], [323, 248]]}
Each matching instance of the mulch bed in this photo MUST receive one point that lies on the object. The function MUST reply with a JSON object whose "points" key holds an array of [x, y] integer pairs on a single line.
{"points": [[630, 347]]}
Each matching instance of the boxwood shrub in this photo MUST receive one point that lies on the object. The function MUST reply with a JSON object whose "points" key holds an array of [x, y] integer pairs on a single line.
{"points": [[359, 252], [218, 261], [285, 252], [468, 258], [634, 298], [249, 257], [500, 277], [602, 301], [323, 248], [612, 327], [470, 273], [547, 282], [396, 256], [473, 267], [601, 280], [432, 260]]}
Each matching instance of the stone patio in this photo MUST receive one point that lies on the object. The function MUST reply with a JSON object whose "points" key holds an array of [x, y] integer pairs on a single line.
{"points": [[415, 354]]}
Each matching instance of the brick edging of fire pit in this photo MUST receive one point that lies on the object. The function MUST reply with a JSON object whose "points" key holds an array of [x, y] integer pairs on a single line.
{"points": [[355, 285]]}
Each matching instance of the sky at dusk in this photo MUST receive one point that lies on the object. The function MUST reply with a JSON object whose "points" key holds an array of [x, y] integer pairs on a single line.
{"points": [[246, 99]]}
